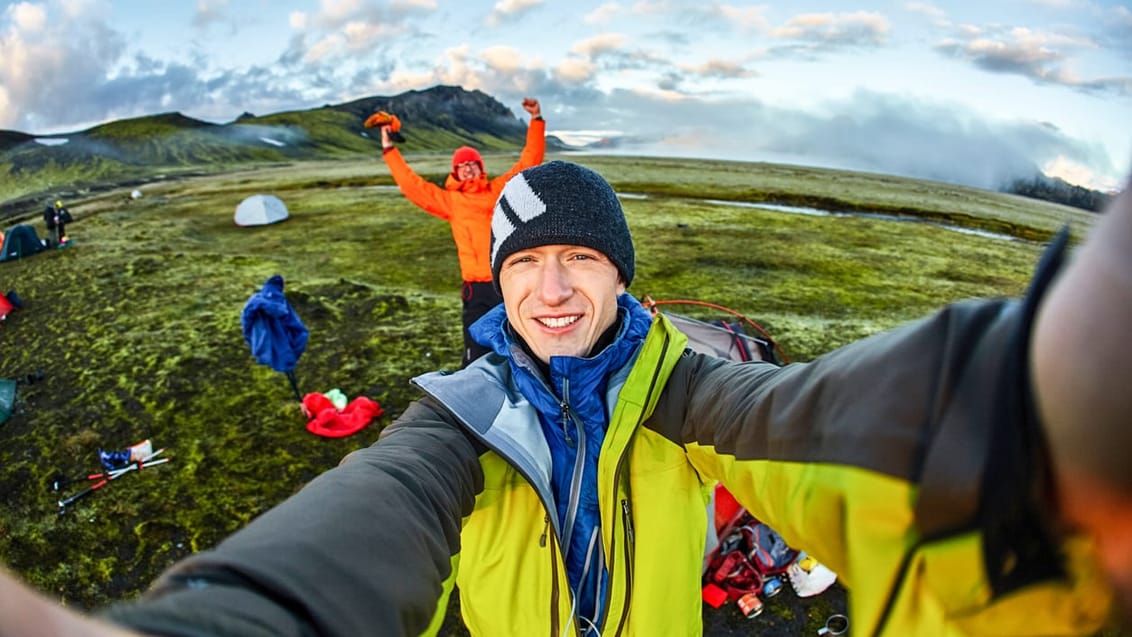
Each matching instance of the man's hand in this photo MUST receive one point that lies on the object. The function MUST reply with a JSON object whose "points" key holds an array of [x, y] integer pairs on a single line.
{"points": [[1081, 365], [530, 105], [390, 127]]}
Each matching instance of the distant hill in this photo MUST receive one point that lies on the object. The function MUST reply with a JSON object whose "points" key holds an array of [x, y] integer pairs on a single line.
{"points": [[129, 151], [1060, 191], [133, 151]]}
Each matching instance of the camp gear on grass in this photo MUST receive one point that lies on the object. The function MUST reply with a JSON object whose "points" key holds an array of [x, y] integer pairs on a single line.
{"points": [[260, 210], [112, 460], [6, 306], [273, 330], [7, 398], [20, 241], [102, 479], [329, 420], [722, 338], [744, 558], [809, 577]]}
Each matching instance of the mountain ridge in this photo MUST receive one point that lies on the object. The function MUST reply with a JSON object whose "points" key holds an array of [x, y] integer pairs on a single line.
{"points": [[126, 151], [132, 151]]}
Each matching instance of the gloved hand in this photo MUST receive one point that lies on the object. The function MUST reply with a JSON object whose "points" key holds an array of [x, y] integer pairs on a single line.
{"points": [[382, 118]]}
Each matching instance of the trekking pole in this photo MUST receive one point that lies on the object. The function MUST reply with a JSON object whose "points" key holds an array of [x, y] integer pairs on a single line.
{"points": [[294, 385], [105, 478]]}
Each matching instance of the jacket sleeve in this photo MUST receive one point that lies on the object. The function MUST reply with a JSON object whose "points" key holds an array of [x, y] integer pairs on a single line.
{"points": [[431, 198], [912, 463], [875, 425], [365, 546], [533, 151]]}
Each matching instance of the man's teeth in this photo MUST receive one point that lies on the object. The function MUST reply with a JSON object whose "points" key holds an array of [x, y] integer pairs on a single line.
{"points": [[561, 321]]}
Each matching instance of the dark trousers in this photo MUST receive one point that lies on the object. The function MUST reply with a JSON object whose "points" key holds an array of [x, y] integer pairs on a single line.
{"points": [[57, 234], [479, 297]]}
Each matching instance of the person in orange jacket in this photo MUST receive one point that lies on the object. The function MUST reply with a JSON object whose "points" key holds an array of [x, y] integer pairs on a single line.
{"points": [[466, 203]]}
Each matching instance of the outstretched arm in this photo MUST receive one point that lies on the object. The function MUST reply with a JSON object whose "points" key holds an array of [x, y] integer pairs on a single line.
{"points": [[363, 547], [1081, 368], [25, 612]]}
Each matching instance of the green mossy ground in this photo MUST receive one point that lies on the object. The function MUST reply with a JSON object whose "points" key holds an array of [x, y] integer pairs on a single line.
{"points": [[136, 327]]}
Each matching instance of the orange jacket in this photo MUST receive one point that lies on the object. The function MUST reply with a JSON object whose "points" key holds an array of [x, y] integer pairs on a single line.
{"points": [[466, 206]]}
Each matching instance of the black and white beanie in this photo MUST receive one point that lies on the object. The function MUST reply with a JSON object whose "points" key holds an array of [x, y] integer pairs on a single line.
{"points": [[559, 203]]}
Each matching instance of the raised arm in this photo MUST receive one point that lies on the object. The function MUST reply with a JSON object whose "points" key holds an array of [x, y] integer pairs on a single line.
{"points": [[535, 147]]}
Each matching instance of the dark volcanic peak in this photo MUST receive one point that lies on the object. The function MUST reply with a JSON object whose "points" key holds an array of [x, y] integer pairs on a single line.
{"points": [[448, 107], [11, 138]]}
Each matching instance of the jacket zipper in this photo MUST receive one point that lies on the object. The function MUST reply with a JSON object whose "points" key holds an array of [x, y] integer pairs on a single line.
{"points": [[627, 514], [554, 618], [630, 547], [567, 414], [569, 419]]}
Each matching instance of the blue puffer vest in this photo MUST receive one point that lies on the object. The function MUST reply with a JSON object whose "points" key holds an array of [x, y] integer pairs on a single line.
{"points": [[574, 416]]}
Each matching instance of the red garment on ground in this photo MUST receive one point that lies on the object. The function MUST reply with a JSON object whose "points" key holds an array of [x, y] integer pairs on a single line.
{"points": [[328, 421], [5, 306]]}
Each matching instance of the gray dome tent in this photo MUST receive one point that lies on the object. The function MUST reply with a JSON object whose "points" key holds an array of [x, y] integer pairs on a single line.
{"points": [[260, 210]]}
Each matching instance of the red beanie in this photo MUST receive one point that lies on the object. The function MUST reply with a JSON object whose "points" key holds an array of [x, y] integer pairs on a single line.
{"points": [[466, 153]]}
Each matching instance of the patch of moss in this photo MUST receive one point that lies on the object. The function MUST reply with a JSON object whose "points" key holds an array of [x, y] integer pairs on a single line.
{"points": [[137, 328]]}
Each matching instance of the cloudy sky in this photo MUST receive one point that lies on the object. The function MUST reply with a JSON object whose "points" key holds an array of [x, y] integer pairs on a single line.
{"points": [[960, 91]]}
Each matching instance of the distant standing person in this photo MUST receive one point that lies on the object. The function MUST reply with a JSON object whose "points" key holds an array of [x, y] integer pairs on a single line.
{"points": [[57, 217], [466, 203]]}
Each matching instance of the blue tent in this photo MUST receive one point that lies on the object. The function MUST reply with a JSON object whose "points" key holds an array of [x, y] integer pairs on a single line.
{"points": [[20, 241], [273, 330], [7, 398]]}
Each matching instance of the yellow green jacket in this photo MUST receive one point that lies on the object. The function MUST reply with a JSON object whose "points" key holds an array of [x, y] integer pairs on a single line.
{"points": [[895, 461]]}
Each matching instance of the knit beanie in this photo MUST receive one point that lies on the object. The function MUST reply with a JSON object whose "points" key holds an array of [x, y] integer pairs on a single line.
{"points": [[559, 203], [466, 153]]}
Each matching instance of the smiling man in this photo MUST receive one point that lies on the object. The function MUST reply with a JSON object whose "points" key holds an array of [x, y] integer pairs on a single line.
{"points": [[958, 473]]}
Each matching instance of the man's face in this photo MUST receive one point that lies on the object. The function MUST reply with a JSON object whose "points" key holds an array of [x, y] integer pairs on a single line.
{"points": [[560, 298], [468, 170]]}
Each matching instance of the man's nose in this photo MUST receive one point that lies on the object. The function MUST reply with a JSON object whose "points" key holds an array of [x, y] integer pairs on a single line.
{"points": [[554, 283]]}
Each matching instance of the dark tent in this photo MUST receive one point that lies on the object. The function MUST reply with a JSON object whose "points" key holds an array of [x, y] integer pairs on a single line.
{"points": [[20, 241], [7, 398]]}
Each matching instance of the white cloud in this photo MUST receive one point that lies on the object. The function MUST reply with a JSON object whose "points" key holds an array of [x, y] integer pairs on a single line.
{"points": [[1079, 174], [599, 44], [648, 7], [603, 14], [719, 69], [413, 5], [337, 11], [928, 10], [209, 12], [745, 18], [845, 28], [505, 59], [510, 9], [575, 70], [298, 20], [27, 17], [324, 48]]}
